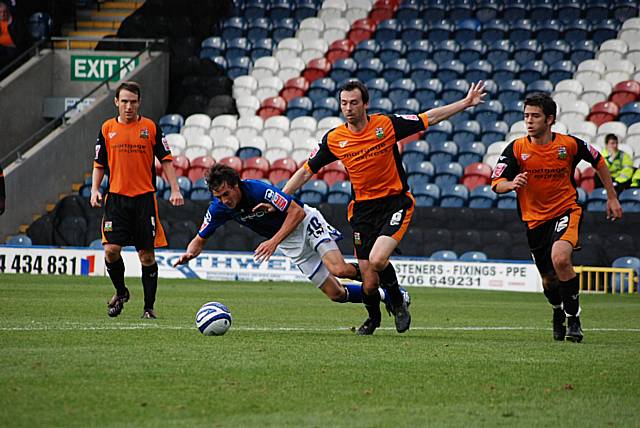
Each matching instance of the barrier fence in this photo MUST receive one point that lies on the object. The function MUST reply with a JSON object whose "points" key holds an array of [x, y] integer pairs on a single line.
{"points": [[606, 279]]}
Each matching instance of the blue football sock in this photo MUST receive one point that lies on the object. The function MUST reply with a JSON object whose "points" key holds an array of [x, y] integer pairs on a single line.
{"points": [[354, 293]]}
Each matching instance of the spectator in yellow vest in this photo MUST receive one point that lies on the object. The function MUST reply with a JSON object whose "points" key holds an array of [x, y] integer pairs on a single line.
{"points": [[620, 164]]}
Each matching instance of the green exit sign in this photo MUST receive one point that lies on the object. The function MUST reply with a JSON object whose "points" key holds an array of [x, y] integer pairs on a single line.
{"points": [[92, 68]]}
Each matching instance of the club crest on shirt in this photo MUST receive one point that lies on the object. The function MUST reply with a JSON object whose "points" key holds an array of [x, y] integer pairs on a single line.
{"points": [[112, 134], [144, 133], [562, 152], [379, 133], [342, 144], [108, 226], [525, 156], [356, 238]]}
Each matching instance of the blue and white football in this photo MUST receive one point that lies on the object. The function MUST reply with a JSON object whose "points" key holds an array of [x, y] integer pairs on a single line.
{"points": [[213, 319]]}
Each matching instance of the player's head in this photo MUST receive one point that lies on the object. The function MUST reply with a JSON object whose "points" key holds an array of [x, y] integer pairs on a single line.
{"points": [[354, 101], [611, 141], [539, 114], [224, 184], [128, 101], [5, 12]]}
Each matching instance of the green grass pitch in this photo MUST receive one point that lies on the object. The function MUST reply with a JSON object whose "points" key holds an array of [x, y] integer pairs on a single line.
{"points": [[471, 358]]}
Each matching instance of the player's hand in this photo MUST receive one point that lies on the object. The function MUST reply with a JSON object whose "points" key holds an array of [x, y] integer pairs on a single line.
{"points": [[96, 198], [520, 181], [476, 94], [176, 198], [614, 210], [264, 251], [263, 206], [183, 259]]}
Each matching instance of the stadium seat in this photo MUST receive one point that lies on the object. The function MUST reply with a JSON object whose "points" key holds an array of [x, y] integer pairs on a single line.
{"points": [[492, 30], [419, 173], [325, 107], [394, 69], [313, 192], [290, 69], [510, 91], [466, 132], [533, 71], [597, 200], [521, 29], [304, 9], [335, 29], [388, 29], [412, 29], [20, 241], [321, 88], [407, 10], [415, 152], [361, 29], [473, 256], [316, 69], [444, 255], [455, 196], [445, 50], [514, 10], [448, 174], [401, 89], [619, 281], [39, 26], [603, 112], [212, 46], [366, 49], [279, 9], [527, 50], [381, 105], [282, 169], [339, 192], [440, 132], [465, 29], [505, 71], [454, 90], [487, 10], [482, 197], [181, 165], [438, 30], [560, 70], [300, 106], [442, 152], [418, 50], [283, 28], [625, 92], [273, 106], [255, 168], [333, 172], [479, 70], [315, 49], [171, 123], [377, 88], [476, 174], [469, 153], [554, 51], [450, 70], [630, 200], [630, 113], [603, 30], [340, 49], [295, 87], [427, 195], [392, 49], [343, 69], [199, 166], [493, 131], [538, 85], [507, 200]]}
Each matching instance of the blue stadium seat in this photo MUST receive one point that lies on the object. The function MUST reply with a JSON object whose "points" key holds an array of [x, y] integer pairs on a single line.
{"points": [[234, 27], [238, 47], [542, 10], [366, 49], [521, 29], [495, 29], [248, 152], [555, 50], [466, 132], [456, 196], [408, 10], [185, 185], [261, 47], [401, 89], [415, 152], [513, 111], [255, 8], [515, 9], [440, 132], [238, 66], [532, 71], [299, 106], [450, 70], [171, 123], [412, 29], [314, 192], [369, 69], [461, 10], [506, 70], [604, 30], [304, 9], [540, 86], [491, 89], [39, 26], [487, 10], [527, 50], [507, 201], [596, 10], [582, 196], [493, 131], [442, 152], [445, 50], [471, 51], [283, 28], [482, 197], [388, 29], [444, 255], [258, 28], [473, 256], [511, 90], [220, 62], [396, 69], [624, 10], [438, 31], [427, 195], [343, 69], [499, 51], [381, 105], [339, 192], [19, 240], [279, 9], [479, 70], [213, 46], [575, 31], [418, 50], [569, 10], [321, 88], [419, 174], [392, 49], [469, 153], [489, 111], [428, 105], [325, 107], [561, 70], [435, 10], [630, 200], [582, 50], [597, 200], [423, 70], [549, 30], [454, 90], [448, 174], [465, 29], [619, 281], [630, 113], [378, 88]]}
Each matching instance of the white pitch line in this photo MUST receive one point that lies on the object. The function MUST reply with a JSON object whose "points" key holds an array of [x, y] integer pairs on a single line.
{"points": [[149, 326]]}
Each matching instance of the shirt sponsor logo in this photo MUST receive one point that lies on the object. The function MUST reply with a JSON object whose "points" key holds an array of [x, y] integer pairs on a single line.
{"points": [[562, 152], [343, 143], [379, 133], [97, 151], [313, 153], [276, 199], [165, 144], [108, 226], [144, 133], [206, 221], [408, 116], [498, 170], [594, 152], [112, 135], [524, 156]]}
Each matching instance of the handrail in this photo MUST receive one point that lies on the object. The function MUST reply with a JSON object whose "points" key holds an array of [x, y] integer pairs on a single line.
{"points": [[34, 50], [16, 153]]}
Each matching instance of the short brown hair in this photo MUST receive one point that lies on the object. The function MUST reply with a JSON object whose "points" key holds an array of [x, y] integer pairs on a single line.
{"points": [[128, 86], [356, 84], [220, 174]]}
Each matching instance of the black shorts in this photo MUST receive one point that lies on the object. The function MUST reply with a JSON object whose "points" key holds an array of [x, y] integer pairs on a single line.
{"points": [[388, 216], [562, 228], [133, 220]]}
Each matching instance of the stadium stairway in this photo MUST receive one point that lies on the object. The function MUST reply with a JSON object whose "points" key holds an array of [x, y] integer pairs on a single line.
{"points": [[98, 23]]}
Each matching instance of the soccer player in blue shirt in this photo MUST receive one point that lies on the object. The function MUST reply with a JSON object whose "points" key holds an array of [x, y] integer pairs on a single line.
{"points": [[298, 230]]}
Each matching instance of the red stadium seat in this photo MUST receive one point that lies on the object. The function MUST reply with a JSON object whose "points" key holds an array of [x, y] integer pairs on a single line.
{"points": [[604, 111], [256, 167], [333, 172], [361, 29], [274, 106], [199, 167], [383, 9], [316, 69], [476, 174], [282, 169], [339, 49], [293, 88], [625, 92], [233, 161], [181, 164], [588, 179]]}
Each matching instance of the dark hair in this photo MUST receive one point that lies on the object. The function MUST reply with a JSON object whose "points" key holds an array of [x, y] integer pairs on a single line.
{"points": [[219, 174], [356, 84], [128, 86], [610, 137], [544, 101]]}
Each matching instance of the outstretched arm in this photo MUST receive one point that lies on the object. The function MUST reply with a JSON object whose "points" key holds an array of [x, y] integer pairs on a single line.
{"points": [[474, 97], [193, 250]]}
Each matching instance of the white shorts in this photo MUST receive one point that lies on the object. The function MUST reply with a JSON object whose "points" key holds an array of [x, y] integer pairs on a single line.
{"points": [[308, 242]]}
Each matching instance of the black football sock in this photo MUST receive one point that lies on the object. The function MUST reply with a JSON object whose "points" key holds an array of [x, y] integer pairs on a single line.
{"points": [[116, 273], [389, 281], [570, 292], [358, 276], [552, 294], [372, 304], [150, 284]]}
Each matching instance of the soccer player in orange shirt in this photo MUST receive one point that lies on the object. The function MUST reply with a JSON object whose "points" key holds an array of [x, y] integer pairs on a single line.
{"points": [[125, 151], [540, 168], [382, 205]]}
